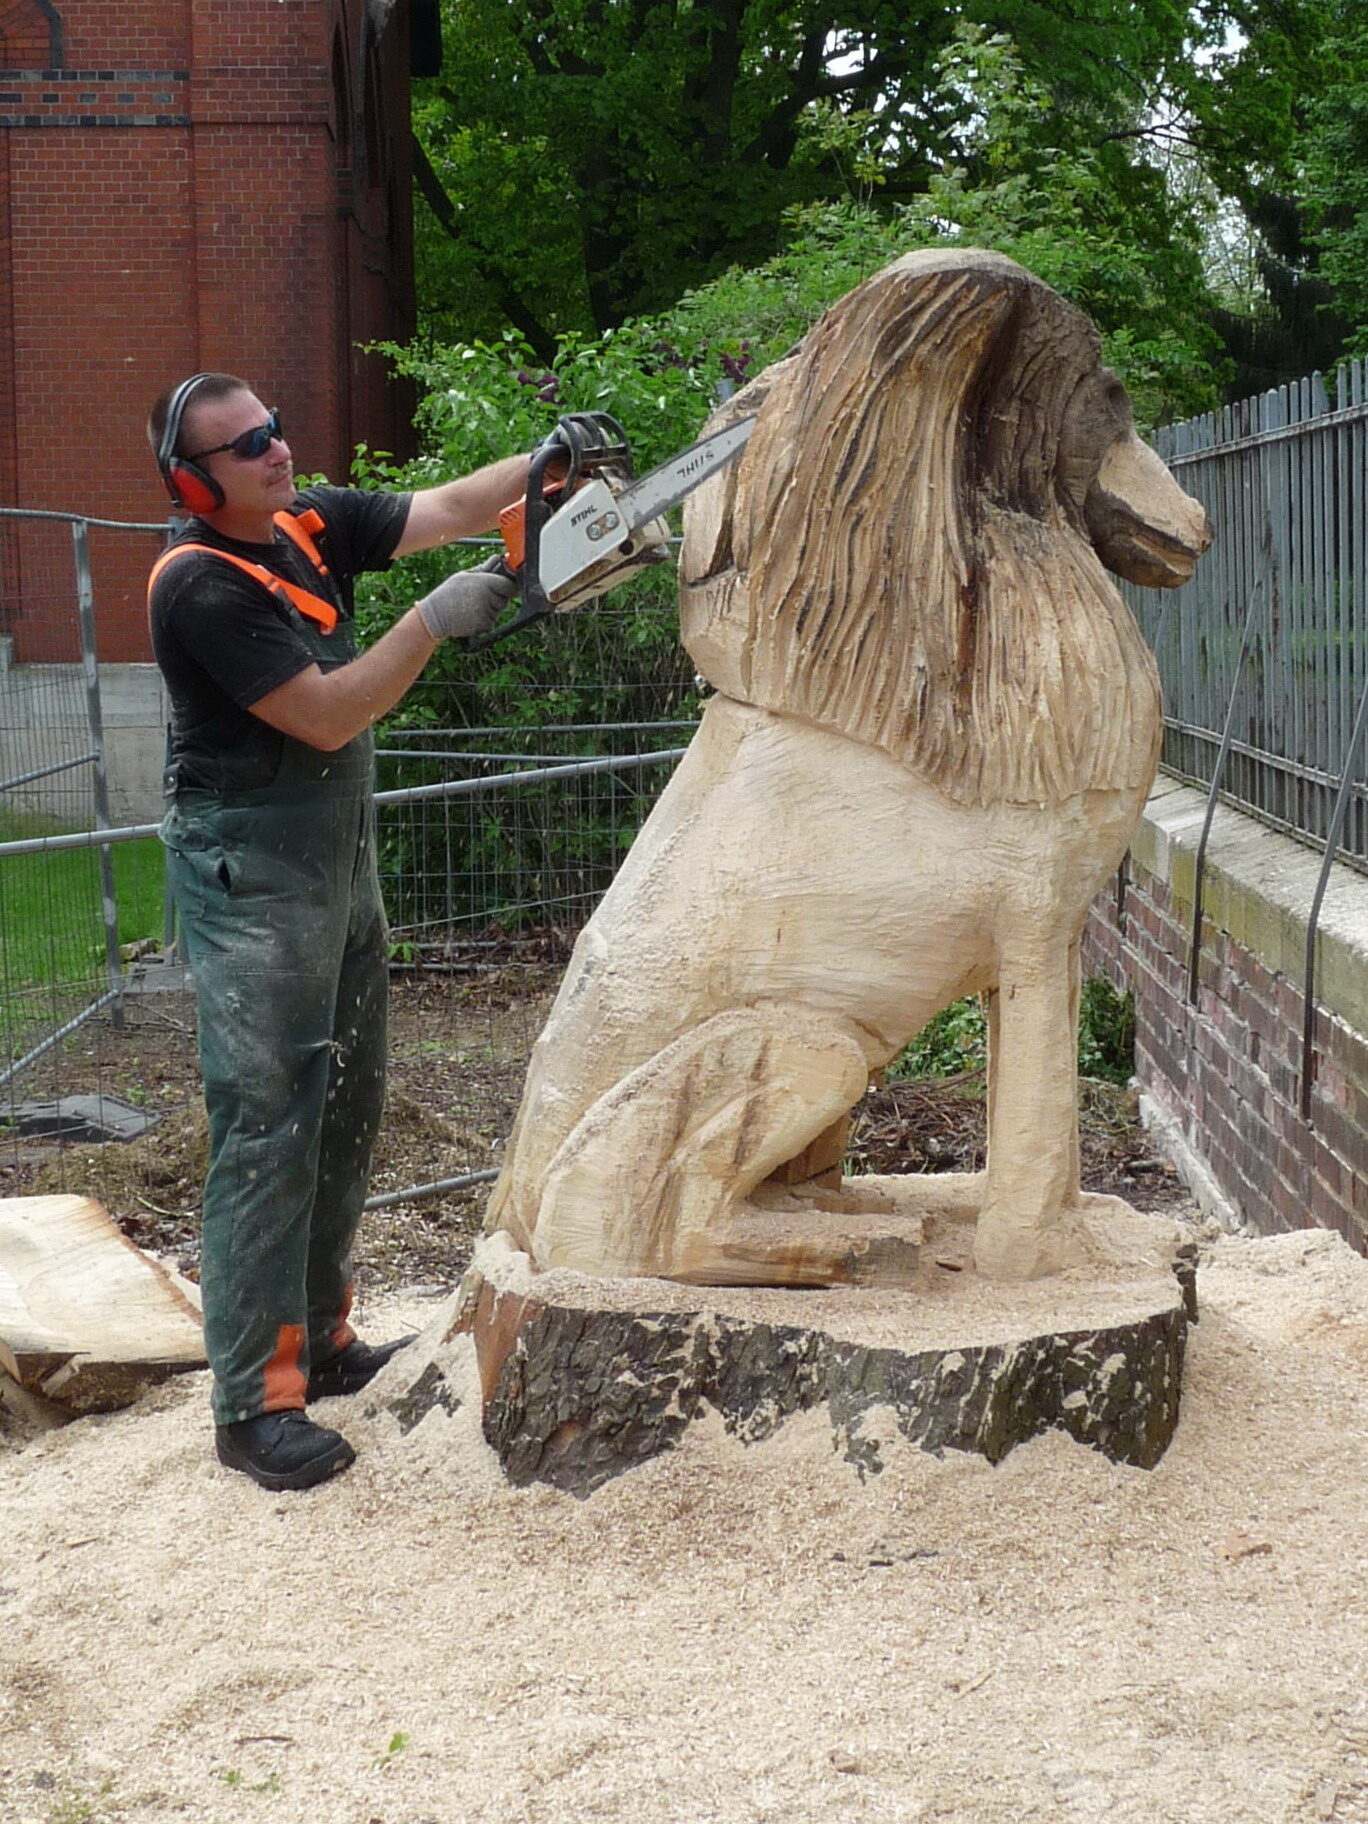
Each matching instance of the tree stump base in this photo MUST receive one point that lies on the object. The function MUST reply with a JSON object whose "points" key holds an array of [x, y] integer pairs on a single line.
{"points": [[584, 1378]]}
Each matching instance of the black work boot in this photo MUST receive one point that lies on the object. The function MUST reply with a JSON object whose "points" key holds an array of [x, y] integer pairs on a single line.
{"points": [[283, 1450], [352, 1368]]}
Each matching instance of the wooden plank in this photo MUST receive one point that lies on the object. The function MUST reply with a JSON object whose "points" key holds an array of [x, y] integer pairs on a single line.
{"points": [[86, 1318]]}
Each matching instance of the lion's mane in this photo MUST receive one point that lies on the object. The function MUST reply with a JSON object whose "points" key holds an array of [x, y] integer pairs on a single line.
{"points": [[901, 553]]}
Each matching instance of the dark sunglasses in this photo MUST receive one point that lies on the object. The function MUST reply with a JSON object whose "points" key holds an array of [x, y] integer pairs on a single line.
{"points": [[248, 447]]}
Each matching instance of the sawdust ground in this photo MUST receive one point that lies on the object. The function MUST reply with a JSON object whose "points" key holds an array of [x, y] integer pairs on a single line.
{"points": [[730, 1634]]}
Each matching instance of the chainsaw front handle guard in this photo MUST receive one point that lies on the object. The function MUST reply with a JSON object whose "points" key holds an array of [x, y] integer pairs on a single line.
{"points": [[582, 442]]}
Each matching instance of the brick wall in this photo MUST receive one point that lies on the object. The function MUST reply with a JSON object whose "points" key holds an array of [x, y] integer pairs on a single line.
{"points": [[1228, 1070], [182, 193]]}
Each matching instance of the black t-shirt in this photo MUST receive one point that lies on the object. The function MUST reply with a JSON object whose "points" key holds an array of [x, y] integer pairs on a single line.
{"points": [[223, 641]]}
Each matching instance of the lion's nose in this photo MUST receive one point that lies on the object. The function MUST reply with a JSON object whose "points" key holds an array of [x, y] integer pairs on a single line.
{"points": [[1143, 526]]}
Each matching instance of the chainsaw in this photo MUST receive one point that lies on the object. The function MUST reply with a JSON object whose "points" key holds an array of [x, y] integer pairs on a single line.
{"points": [[587, 522]]}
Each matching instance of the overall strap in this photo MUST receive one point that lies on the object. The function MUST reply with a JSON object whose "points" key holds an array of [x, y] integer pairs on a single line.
{"points": [[313, 606], [299, 529]]}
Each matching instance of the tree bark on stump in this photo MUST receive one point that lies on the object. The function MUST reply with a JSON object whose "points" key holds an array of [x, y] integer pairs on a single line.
{"points": [[583, 1379]]}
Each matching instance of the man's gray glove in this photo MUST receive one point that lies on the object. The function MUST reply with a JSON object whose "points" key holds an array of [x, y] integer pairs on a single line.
{"points": [[466, 604]]}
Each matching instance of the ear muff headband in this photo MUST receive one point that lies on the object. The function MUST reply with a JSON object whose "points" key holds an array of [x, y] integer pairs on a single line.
{"points": [[188, 485]]}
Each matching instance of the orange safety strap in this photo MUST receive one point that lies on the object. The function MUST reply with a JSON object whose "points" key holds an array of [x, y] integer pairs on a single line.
{"points": [[342, 1332], [299, 529], [298, 532]]}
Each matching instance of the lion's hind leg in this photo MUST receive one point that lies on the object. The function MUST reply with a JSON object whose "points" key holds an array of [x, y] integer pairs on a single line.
{"points": [[655, 1178]]}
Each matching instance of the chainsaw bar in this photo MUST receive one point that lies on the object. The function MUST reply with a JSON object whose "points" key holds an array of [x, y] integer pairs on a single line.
{"points": [[605, 519], [666, 486], [570, 541]]}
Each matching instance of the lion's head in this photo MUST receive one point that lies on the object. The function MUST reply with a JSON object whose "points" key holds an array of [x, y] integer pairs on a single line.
{"points": [[911, 550]]}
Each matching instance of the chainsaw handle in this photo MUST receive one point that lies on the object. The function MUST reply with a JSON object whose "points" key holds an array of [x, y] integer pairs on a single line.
{"points": [[526, 616], [591, 440]]}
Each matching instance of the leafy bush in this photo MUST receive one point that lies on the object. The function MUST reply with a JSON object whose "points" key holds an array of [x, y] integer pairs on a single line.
{"points": [[1106, 1032], [954, 1041], [957, 1038]]}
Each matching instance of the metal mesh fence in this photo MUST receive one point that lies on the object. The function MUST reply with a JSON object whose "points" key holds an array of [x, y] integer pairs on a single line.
{"points": [[506, 797], [59, 942], [528, 839]]}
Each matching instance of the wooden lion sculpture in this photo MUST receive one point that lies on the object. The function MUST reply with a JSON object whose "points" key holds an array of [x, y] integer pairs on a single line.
{"points": [[934, 729]]}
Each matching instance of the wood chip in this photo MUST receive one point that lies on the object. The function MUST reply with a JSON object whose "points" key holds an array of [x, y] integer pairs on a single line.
{"points": [[1239, 1545], [974, 1684]]}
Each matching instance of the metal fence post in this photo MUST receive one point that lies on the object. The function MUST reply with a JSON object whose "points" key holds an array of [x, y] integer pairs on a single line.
{"points": [[85, 615]]}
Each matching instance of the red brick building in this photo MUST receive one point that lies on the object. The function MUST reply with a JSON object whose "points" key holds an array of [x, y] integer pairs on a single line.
{"points": [[189, 184]]}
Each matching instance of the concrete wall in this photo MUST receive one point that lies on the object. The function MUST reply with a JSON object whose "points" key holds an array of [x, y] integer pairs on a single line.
{"points": [[43, 722], [1226, 1073], [136, 713]]}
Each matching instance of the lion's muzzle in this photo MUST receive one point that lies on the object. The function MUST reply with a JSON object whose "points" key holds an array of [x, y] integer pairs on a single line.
{"points": [[1142, 525]]}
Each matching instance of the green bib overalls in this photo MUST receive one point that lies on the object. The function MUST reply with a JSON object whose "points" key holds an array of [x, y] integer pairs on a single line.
{"points": [[279, 902]]}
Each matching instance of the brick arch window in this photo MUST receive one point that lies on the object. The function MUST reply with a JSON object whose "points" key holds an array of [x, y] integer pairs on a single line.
{"points": [[31, 35]]}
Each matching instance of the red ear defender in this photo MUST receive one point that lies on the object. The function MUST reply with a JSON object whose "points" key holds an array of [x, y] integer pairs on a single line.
{"points": [[190, 487]]}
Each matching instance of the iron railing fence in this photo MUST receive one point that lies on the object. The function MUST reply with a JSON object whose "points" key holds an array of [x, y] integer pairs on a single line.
{"points": [[1284, 479]]}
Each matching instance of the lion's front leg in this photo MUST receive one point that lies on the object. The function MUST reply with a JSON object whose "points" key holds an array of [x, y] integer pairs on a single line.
{"points": [[1027, 1224], [655, 1179]]}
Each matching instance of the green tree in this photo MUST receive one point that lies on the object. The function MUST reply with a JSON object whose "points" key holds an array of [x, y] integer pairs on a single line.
{"points": [[1273, 118], [1128, 252], [1337, 168], [590, 160]]}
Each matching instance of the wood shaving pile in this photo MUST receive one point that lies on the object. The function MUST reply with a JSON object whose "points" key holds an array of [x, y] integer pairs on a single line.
{"points": [[730, 1635]]}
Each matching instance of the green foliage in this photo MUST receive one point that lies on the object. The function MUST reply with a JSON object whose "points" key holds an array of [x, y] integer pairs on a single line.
{"points": [[619, 663], [1271, 115], [600, 160], [1337, 166], [483, 400], [956, 1039], [1106, 1032], [397, 1744], [86, 1805], [269, 1786]]}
